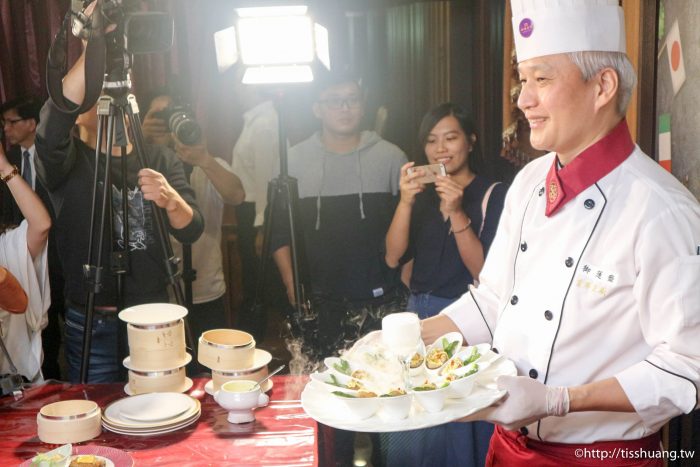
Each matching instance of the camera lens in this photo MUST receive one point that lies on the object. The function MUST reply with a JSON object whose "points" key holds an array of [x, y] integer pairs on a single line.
{"points": [[185, 128]]}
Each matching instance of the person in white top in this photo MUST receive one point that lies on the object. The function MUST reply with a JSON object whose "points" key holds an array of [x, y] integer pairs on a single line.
{"points": [[23, 253], [20, 118], [591, 284], [214, 185]]}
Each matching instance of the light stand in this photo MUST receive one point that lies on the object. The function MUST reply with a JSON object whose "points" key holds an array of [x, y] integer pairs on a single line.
{"points": [[283, 195], [277, 45]]}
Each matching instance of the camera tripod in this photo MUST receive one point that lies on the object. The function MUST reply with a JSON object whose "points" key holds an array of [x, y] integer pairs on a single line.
{"points": [[112, 110], [283, 196]]}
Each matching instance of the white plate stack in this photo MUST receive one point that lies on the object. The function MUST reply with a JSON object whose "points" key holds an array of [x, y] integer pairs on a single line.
{"points": [[151, 414], [157, 355]]}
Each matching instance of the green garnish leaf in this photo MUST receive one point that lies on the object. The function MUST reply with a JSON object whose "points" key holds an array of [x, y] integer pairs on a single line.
{"points": [[449, 348], [334, 381], [474, 369], [344, 394], [343, 367], [474, 356]]}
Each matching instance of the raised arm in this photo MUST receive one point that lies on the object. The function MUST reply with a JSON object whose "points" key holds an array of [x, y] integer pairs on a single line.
{"points": [[469, 246], [33, 210], [397, 237], [226, 183]]}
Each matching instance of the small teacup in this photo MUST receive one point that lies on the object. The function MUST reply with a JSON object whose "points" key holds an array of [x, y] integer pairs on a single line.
{"points": [[240, 397]]}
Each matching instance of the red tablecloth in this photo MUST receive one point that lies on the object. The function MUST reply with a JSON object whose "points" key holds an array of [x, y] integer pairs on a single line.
{"points": [[282, 435]]}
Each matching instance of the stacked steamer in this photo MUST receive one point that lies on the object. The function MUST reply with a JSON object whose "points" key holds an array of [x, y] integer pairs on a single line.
{"points": [[157, 356], [230, 354]]}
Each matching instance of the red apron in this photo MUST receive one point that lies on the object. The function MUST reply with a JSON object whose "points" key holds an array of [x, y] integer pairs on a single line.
{"points": [[513, 449]]}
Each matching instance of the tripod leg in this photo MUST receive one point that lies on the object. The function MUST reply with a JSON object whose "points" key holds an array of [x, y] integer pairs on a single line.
{"points": [[170, 261], [93, 273], [255, 320], [290, 193]]}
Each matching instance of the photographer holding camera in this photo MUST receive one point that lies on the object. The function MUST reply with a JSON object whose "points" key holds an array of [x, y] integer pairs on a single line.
{"points": [[214, 185], [66, 167]]}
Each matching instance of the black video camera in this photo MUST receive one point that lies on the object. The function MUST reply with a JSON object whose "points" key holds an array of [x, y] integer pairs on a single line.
{"points": [[142, 31], [181, 121]]}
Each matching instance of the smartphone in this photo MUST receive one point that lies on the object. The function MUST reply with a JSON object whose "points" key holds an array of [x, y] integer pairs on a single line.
{"points": [[430, 172]]}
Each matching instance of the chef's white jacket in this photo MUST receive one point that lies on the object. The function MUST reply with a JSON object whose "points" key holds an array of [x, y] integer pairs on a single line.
{"points": [[21, 333], [608, 286]]}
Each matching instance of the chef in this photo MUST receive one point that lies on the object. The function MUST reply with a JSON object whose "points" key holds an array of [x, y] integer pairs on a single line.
{"points": [[591, 284]]}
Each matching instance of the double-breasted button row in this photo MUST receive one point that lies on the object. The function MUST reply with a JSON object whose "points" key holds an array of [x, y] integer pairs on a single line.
{"points": [[569, 262], [548, 315], [533, 373], [514, 300]]}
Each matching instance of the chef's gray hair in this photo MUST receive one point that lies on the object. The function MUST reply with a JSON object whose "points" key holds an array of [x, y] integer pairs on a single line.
{"points": [[591, 63]]}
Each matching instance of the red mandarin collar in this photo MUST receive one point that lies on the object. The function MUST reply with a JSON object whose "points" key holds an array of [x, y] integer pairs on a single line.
{"points": [[594, 163]]}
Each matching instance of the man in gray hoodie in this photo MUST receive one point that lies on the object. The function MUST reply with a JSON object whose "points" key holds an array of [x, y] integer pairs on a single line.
{"points": [[348, 186]]}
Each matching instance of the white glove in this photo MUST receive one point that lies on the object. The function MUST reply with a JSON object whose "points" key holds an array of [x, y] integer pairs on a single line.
{"points": [[527, 401]]}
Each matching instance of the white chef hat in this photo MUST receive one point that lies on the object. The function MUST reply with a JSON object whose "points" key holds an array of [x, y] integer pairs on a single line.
{"points": [[547, 27]]}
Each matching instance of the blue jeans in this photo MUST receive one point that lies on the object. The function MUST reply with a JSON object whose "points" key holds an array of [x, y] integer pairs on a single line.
{"points": [[452, 444], [427, 305], [104, 356]]}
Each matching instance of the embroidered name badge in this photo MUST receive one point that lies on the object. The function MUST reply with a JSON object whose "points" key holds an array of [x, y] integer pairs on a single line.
{"points": [[526, 27], [596, 279], [553, 192]]}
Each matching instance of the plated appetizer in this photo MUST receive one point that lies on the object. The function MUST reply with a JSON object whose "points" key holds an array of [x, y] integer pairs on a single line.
{"points": [[443, 349]]}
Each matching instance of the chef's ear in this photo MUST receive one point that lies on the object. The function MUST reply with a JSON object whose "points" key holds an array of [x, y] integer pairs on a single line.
{"points": [[607, 86]]}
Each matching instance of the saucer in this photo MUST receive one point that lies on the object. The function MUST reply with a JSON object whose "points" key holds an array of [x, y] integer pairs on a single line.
{"points": [[186, 387], [152, 313], [209, 387]]}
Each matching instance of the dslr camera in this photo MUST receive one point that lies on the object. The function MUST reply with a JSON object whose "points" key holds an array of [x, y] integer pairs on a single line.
{"points": [[181, 121]]}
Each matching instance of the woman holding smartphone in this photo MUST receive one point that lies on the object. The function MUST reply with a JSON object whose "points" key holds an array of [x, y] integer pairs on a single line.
{"points": [[441, 232], [440, 228]]}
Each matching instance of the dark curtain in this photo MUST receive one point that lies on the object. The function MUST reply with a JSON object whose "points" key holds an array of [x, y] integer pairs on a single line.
{"points": [[27, 28]]}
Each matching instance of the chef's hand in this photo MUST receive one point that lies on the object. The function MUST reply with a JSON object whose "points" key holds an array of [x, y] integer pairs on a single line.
{"points": [[527, 401]]}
